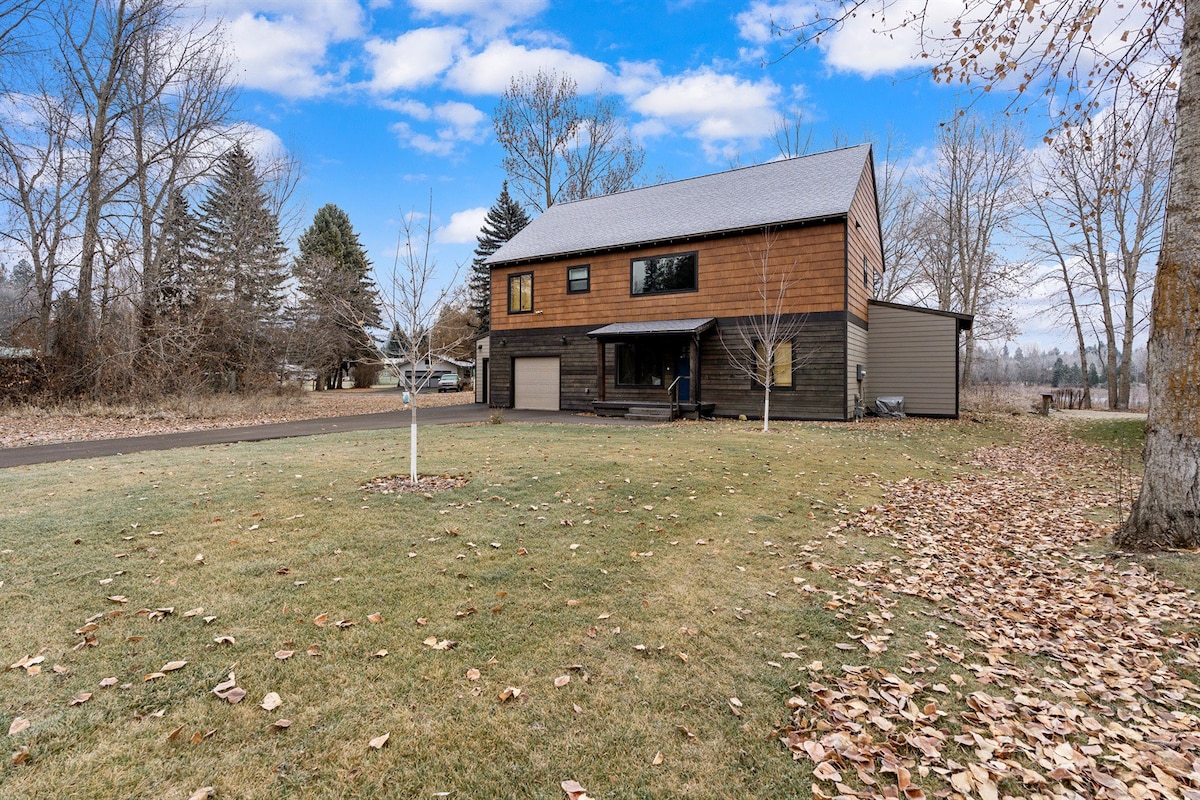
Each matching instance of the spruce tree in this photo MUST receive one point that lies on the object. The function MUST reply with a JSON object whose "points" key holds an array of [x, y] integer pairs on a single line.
{"points": [[241, 271], [340, 298], [180, 261], [504, 220], [239, 236]]}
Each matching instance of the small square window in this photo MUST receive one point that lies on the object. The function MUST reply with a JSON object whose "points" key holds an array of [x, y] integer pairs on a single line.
{"points": [[579, 279], [520, 293]]}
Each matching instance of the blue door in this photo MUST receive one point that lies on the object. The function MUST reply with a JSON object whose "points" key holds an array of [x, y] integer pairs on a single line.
{"points": [[683, 370]]}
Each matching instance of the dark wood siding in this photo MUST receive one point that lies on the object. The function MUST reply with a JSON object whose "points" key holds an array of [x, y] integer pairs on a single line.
{"points": [[818, 390], [577, 367], [818, 353]]}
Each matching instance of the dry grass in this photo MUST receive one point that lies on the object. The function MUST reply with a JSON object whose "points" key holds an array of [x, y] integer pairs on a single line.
{"points": [[653, 566], [29, 425]]}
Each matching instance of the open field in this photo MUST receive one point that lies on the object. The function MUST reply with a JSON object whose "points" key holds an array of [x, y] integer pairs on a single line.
{"points": [[719, 599]]}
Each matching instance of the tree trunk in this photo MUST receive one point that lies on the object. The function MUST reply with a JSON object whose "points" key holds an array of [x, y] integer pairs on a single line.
{"points": [[1126, 370], [1167, 511], [968, 361]]}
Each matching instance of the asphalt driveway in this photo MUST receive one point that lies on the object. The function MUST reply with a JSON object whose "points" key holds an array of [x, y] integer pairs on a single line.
{"points": [[446, 415]]}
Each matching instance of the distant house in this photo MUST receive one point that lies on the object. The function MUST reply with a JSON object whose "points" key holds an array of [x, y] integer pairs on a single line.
{"points": [[634, 299], [427, 370]]}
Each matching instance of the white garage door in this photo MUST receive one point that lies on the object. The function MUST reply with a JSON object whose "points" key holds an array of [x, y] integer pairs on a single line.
{"points": [[535, 383]]}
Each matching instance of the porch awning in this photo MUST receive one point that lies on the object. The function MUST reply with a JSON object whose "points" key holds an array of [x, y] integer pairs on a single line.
{"points": [[667, 327]]}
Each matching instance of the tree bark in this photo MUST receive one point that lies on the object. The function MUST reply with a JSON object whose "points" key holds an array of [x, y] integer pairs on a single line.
{"points": [[1167, 511]]}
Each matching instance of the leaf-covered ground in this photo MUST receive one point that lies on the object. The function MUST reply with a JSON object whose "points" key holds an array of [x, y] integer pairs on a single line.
{"points": [[909, 606], [1077, 679]]}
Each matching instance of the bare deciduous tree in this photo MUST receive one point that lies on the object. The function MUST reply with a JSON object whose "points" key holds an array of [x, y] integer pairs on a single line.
{"points": [[762, 346], [791, 134], [899, 208], [559, 146], [1056, 49], [1099, 211], [40, 186], [969, 198], [412, 300]]}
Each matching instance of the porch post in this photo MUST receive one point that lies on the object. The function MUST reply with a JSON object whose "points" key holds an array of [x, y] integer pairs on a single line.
{"points": [[600, 368], [694, 369]]}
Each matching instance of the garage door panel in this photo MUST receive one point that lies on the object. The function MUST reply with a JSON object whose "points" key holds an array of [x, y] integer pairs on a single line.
{"points": [[536, 383]]}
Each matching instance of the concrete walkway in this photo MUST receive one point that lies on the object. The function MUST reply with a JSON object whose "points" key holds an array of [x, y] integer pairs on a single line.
{"points": [[446, 415]]}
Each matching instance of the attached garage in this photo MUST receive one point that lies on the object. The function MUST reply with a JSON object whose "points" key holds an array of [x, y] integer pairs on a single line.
{"points": [[535, 383]]}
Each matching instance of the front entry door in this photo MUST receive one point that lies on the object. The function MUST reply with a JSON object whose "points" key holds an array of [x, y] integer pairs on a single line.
{"points": [[683, 371]]}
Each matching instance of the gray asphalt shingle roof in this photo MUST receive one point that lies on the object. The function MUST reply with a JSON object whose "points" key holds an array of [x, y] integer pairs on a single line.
{"points": [[791, 190], [654, 328]]}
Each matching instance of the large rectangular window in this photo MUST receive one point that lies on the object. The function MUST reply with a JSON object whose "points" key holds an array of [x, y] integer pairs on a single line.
{"points": [[579, 279], [640, 366], [660, 274], [520, 293], [781, 367]]}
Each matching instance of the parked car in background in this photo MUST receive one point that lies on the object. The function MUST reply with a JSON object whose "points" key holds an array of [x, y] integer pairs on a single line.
{"points": [[450, 382]]}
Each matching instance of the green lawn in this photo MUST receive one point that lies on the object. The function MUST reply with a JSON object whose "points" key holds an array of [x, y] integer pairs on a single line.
{"points": [[653, 566]]}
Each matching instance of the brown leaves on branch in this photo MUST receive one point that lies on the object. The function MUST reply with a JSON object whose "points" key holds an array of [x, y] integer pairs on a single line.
{"points": [[1087, 693]]}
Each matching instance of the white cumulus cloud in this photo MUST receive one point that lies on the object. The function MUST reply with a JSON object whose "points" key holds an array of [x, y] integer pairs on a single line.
{"points": [[718, 109], [454, 124], [463, 227], [283, 47], [493, 15], [413, 59], [490, 71], [866, 44]]}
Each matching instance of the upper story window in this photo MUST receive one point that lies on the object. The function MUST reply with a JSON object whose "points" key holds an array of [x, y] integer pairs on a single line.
{"points": [[520, 293], [579, 279], [659, 274]]}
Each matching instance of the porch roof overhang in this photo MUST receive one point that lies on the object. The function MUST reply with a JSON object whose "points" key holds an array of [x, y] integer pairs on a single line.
{"points": [[668, 327]]}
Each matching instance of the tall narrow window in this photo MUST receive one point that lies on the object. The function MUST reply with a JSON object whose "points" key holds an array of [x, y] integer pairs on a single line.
{"points": [[579, 279], [781, 366], [520, 293]]}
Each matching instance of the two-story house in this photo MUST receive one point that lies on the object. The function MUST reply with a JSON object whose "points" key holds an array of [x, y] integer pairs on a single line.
{"points": [[642, 298]]}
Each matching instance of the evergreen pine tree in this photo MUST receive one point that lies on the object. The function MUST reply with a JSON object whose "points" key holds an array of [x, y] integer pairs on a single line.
{"points": [[178, 268], [239, 237], [241, 272], [341, 300], [504, 220]]}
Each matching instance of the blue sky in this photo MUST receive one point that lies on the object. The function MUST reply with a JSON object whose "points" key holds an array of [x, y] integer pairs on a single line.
{"points": [[385, 102]]}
